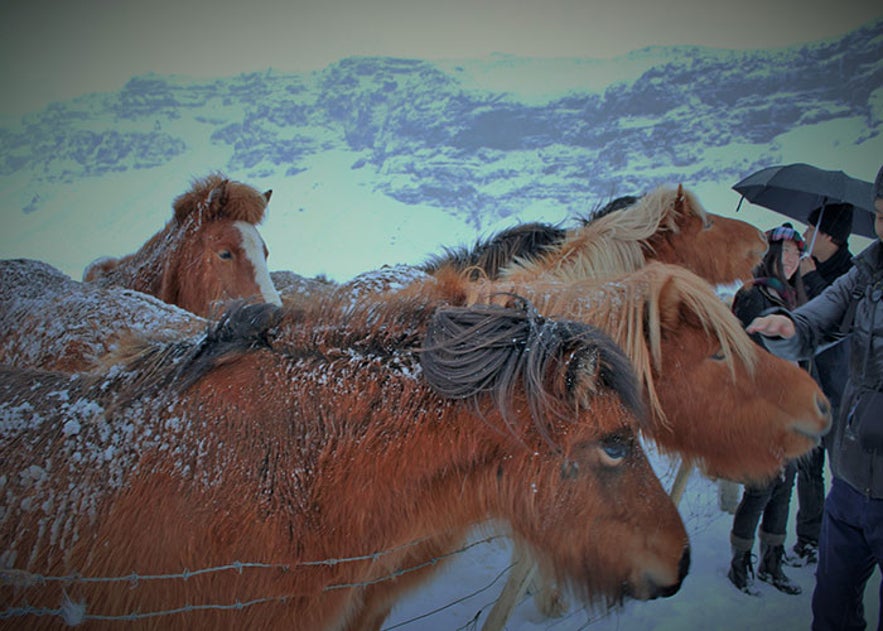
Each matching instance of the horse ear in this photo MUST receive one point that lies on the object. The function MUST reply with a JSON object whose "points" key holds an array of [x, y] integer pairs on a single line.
{"points": [[669, 304], [681, 200], [216, 198], [267, 195]]}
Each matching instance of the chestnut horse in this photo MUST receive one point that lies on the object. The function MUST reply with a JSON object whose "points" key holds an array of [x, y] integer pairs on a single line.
{"points": [[51, 322], [667, 225], [209, 252], [715, 398], [269, 473]]}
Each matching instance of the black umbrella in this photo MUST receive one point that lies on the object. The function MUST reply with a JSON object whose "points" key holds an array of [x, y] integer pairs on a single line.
{"points": [[795, 190]]}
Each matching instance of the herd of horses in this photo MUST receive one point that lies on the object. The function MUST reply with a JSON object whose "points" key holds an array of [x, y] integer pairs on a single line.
{"points": [[189, 441]]}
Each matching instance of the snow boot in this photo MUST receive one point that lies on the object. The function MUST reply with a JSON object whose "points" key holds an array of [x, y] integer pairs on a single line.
{"points": [[805, 553], [741, 572], [770, 569]]}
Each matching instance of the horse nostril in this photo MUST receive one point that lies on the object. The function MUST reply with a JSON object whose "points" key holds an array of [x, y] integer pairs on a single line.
{"points": [[684, 565], [824, 406], [665, 591]]}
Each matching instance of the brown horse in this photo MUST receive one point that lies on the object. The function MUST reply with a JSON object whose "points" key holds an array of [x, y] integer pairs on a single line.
{"points": [[715, 397], [269, 473], [667, 225], [49, 321], [209, 252]]}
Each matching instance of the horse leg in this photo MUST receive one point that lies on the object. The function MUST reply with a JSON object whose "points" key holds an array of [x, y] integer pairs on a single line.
{"points": [[520, 575], [549, 600], [680, 483]]}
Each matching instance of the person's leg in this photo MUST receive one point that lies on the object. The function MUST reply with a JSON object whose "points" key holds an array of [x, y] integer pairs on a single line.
{"points": [[775, 513], [772, 533], [845, 562], [810, 502], [749, 511], [745, 521], [874, 537]]}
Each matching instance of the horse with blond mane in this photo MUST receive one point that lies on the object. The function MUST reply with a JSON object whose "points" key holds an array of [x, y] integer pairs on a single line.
{"points": [[208, 253], [264, 474], [667, 225], [713, 396]]}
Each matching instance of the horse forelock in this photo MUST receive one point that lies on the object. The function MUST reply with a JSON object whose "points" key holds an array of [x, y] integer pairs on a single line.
{"points": [[216, 197], [628, 308]]}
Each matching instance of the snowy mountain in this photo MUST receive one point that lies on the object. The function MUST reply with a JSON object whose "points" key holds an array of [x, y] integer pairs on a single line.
{"points": [[475, 141]]}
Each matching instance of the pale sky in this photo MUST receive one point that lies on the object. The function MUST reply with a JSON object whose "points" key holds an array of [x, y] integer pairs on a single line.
{"points": [[57, 49]]}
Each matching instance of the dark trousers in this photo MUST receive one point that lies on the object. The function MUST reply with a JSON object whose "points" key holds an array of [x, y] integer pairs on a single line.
{"points": [[810, 495], [767, 505], [851, 543]]}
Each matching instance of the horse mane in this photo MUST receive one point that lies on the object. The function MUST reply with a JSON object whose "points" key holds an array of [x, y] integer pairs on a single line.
{"points": [[471, 350], [215, 196], [464, 352], [613, 205], [634, 309], [489, 256], [617, 241], [143, 363]]}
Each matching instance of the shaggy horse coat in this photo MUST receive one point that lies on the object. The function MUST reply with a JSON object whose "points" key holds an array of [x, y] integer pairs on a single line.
{"points": [[209, 252], [49, 321], [274, 471]]}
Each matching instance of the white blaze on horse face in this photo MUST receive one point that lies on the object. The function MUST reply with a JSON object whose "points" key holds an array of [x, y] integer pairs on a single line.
{"points": [[253, 246]]}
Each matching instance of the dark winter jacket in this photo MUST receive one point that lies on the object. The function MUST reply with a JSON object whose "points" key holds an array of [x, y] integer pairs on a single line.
{"points": [[817, 323], [752, 300], [831, 366]]}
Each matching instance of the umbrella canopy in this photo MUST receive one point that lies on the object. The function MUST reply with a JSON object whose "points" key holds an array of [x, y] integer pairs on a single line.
{"points": [[795, 190]]}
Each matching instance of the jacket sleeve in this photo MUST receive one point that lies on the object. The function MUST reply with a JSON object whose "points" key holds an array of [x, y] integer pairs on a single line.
{"points": [[816, 323]]}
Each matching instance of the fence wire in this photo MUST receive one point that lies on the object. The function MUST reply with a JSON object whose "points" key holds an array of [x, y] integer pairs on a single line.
{"points": [[75, 613]]}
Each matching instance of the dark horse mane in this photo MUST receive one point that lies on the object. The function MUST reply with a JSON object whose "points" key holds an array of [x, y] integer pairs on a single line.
{"points": [[463, 352], [491, 255], [524, 242], [215, 196], [517, 346]]}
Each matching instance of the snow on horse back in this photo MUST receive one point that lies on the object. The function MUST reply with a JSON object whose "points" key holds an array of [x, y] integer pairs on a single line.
{"points": [[208, 254], [276, 470]]}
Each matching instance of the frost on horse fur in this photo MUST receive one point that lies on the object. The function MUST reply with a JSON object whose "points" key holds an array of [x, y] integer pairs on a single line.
{"points": [[207, 254], [318, 447], [49, 321]]}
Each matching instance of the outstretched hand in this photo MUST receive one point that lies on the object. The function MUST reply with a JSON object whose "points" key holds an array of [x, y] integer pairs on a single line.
{"points": [[772, 326]]}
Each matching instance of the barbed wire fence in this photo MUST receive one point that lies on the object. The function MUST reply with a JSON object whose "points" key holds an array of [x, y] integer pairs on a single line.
{"points": [[698, 515], [75, 613]]}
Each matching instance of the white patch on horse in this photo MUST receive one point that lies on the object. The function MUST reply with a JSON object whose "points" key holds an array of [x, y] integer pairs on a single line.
{"points": [[253, 246]]}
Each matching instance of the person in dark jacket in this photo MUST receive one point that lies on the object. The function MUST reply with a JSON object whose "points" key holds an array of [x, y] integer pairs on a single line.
{"points": [[776, 283], [827, 234], [851, 539]]}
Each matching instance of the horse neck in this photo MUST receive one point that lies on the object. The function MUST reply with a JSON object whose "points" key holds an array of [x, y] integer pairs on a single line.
{"points": [[143, 270]]}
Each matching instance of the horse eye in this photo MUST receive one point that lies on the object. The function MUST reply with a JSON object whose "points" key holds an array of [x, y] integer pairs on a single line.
{"points": [[614, 452], [708, 224], [719, 355], [225, 254]]}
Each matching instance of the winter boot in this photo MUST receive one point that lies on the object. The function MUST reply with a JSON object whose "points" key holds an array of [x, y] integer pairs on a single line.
{"points": [[770, 569], [741, 572], [805, 553]]}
